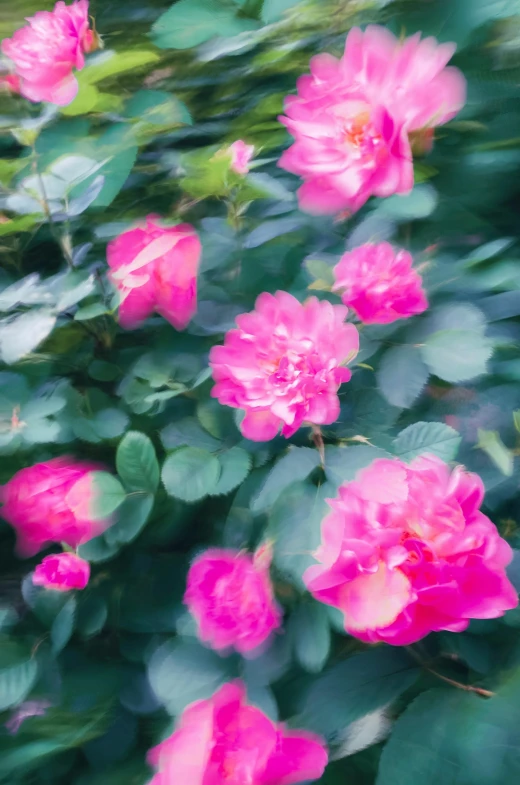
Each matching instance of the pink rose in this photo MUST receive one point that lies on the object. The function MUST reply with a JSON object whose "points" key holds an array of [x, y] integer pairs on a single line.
{"points": [[50, 502], [380, 284], [231, 597], [226, 741], [352, 118], [45, 52], [284, 364], [62, 572], [406, 551], [241, 154], [154, 268]]}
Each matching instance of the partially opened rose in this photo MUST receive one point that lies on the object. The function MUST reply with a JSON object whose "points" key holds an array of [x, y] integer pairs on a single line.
{"points": [[353, 119], [154, 268], [62, 572], [379, 283], [226, 741], [284, 363], [46, 51], [51, 502], [406, 551], [231, 597]]}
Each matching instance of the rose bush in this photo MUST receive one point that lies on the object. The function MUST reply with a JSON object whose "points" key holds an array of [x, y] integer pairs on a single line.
{"points": [[259, 403]]}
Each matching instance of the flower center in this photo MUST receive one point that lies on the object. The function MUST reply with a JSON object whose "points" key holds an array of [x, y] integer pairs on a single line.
{"points": [[360, 135]]}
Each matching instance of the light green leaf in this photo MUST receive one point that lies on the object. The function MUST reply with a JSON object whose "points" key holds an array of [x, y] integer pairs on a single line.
{"points": [[190, 22], [181, 673], [457, 355], [110, 63], [343, 463], [491, 443], [273, 10], [131, 519], [190, 474], [234, 468], [296, 465], [107, 494], [427, 437], [402, 375], [22, 335], [137, 463], [420, 203]]}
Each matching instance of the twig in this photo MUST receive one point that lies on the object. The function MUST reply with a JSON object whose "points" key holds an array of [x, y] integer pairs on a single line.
{"points": [[317, 438]]}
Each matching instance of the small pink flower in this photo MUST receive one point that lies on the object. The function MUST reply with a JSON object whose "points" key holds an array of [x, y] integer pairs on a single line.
{"points": [[47, 50], [231, 597], [226, 741], [51, 502], [241, 154], [284, 364], [380, 284], [62, 572], [406, 551], [154, 268], [352, 118]]}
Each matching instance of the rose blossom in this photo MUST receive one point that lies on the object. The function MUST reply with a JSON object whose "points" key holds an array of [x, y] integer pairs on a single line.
{"points": [[50, 502], [406, 551], [231, 597], [47, 49], [241, 154], [379, 283], [352, 118], [62, 572], [155, 268], [284, 363], [226, 741]]}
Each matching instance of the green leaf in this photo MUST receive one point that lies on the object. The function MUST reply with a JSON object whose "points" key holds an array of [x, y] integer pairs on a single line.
{"points": [[132, 518], [343, 463], [92, 615], [296, 465], [234, 468], [273, 10], [457, 355], [16, 682], [491, 443], [402, 375], [90, 312], [453, 736], [111, 63], [295, 528], [188, 432], [63, 626], [191, 22], [190, 474], [310, 633], [356, 687], [137, 464], [107, 494], [427, 437], [420, 203], [181, 673]]}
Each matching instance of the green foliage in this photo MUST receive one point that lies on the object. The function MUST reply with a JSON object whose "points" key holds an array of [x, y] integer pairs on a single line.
{"points": [[111, 667]]}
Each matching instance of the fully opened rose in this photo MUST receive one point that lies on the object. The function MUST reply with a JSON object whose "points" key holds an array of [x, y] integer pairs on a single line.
{"points": [[379, 283], [231, 597], [50, 502], [226, 741], [353, 119], [406, 551], [284, 363], [48, 49], [62, 572], [154, 268]]}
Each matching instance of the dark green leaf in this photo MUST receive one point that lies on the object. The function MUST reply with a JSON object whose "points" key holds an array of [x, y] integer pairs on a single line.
{"points": [[427, 437], [402, 375], [190, 474], [296, 465], [137, 464]]}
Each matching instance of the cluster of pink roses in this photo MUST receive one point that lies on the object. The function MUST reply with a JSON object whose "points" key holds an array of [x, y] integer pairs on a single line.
{"points": [[405, 549]]}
